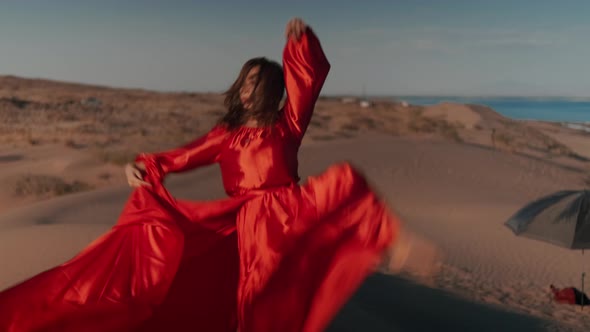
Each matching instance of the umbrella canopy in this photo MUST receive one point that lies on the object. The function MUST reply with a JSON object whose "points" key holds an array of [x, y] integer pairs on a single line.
{"points": [[562, 218]]}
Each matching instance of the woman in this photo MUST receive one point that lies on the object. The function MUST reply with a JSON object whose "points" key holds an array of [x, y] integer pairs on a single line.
{"points": [[274, 256]]}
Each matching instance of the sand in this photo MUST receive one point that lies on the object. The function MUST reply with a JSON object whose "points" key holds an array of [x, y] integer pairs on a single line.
{"points": [[436, 166]]}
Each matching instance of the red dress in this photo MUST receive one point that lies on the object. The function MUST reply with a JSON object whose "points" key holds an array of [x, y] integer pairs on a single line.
{"points": [[273, 256]]}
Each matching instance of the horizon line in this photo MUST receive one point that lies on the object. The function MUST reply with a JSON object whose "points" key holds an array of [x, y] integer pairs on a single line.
{"points": [[331, 94]]}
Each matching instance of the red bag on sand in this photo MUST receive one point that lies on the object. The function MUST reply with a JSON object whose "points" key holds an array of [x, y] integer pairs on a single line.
{"points": [[569, 295]]}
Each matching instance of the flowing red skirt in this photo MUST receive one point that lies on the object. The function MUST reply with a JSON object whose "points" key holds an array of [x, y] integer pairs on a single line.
{"points": [[285, 259]]}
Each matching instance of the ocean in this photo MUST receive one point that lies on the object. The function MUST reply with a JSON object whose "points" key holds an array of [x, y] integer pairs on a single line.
{"points": [[569, 110]]}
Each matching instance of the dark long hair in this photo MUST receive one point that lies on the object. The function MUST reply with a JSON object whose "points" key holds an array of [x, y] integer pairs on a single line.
{"points": [[267, 95]]}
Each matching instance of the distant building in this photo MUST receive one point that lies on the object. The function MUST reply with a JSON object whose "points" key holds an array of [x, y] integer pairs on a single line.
{"points": [[365, 103]]}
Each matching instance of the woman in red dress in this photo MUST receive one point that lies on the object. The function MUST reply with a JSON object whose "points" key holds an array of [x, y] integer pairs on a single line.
{"points": [[273, 256]]}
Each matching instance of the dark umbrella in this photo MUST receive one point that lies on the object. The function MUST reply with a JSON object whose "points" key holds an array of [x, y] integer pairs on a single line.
{"points": [[562, 218]]}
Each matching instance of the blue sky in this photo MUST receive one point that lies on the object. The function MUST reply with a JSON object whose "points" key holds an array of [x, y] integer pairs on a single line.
{"points": [[395, 47]]}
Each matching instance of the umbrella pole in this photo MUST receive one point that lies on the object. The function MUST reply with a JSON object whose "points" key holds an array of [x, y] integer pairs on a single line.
{"points": [[582, 295]]}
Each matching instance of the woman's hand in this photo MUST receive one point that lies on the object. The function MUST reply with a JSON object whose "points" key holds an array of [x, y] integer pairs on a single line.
{"points": [[134, 176], [295, 28]]}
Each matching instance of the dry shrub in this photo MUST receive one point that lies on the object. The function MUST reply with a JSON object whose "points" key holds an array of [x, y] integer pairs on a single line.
{"points": [[350, 126], [421, 124], [504, 139], [324, 137], [42, 185]]}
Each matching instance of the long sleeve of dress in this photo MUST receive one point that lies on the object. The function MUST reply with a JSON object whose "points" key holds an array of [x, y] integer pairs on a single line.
{"points": [[200, 152], [306, 68]]}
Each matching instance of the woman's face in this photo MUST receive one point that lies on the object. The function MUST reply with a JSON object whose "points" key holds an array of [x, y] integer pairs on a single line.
{"points": [[247, 88]]}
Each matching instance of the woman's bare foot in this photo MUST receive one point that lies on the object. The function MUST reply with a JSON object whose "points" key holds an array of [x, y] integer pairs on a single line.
{"points": [[414, 255]]}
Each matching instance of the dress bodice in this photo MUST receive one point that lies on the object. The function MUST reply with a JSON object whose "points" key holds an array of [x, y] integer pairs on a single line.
{"points": [[258, 158]]}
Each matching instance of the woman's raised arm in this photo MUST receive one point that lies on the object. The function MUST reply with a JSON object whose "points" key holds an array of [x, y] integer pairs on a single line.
{"points": [[306, 68]]}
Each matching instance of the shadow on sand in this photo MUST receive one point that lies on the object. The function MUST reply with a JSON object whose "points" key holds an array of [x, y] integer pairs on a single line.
{"points": [[389, 303]]}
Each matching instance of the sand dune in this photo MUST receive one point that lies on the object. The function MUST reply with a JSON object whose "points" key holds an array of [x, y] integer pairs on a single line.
{"points": [[455, 194], [453, 172], [454, 113]]}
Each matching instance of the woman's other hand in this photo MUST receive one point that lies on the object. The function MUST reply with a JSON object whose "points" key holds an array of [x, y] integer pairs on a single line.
{"points": [[134, 175]]}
